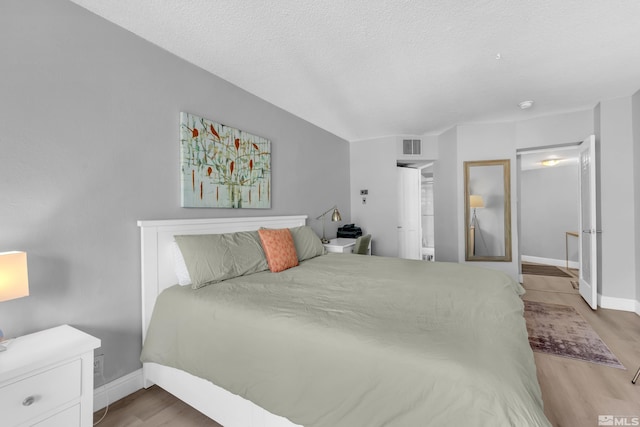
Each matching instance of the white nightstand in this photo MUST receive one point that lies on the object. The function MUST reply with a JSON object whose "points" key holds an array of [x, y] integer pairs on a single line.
{"points": [[46, 379]]}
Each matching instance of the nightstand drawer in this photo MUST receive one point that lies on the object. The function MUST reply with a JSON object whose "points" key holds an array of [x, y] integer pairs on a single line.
{"points": [[38, 394], [67, 418]]}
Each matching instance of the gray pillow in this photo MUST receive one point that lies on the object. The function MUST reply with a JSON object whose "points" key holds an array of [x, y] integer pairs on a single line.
{"points": [[246, 248], [307, 242], [212, 258]]}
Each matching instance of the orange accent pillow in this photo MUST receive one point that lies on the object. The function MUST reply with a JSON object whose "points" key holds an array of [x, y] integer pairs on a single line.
{"points": [[279, 248]]}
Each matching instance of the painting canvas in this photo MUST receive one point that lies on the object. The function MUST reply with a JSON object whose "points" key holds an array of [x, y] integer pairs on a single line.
{"points": [[223, 167]]}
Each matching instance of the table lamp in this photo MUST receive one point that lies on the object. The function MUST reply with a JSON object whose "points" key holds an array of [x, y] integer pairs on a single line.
{"points": [[14, 280]]}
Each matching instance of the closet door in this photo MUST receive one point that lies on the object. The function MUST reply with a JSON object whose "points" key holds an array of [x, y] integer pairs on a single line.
{"points": [[409, 229]]}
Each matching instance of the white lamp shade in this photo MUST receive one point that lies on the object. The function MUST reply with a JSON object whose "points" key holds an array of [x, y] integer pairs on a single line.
{"points": [[476, 201], [14, 279]]}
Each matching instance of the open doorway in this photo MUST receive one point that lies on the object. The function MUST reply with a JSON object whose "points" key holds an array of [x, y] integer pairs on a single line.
{"points": [[424, 247], [549, 209]]}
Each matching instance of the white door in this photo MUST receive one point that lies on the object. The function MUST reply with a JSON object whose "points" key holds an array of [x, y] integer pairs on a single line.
{"points": [[409, 230], [588, 248]]}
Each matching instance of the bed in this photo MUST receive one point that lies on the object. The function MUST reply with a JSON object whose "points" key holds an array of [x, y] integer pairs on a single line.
{"points": [[339, 340]]}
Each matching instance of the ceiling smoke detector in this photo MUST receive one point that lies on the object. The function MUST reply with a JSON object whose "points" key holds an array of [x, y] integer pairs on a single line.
{"points": [[525, 104]]}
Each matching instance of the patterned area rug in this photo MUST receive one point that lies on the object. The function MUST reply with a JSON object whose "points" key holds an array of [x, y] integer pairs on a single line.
{"points": [[543, 270], [560, 330]]}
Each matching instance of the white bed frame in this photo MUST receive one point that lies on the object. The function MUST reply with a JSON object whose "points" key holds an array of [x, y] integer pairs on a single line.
{"points": [[226, 408]]}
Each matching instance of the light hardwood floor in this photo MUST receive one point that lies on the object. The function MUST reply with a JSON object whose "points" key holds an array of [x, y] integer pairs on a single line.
{"points": [[574, 392], [152, 407]]}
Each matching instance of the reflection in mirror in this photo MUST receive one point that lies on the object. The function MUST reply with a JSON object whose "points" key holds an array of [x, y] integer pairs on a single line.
{"points": [[487, 210]]}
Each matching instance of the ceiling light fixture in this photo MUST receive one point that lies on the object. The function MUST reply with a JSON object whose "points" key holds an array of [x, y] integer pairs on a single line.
{"points": [[550, 162], [525, 104]]}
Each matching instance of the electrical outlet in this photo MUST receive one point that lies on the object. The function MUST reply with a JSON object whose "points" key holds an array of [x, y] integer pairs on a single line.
{"points": [[98, 365]]}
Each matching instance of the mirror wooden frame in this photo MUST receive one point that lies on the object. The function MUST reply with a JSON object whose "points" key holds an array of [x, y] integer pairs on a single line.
{"points": [[470, 237]]}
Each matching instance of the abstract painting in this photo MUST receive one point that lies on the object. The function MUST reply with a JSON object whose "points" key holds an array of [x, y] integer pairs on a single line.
{"points": [[223, 167]]}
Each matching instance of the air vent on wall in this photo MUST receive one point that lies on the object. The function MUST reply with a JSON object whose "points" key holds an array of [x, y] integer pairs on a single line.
{"points": [[411, 146]]}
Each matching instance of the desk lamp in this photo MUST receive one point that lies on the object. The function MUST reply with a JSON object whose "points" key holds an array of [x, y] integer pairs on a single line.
{"points": [[14, 280], [335, 217]]}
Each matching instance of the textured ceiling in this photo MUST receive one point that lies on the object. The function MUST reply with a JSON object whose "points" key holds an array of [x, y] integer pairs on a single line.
{"points": [[368, 68]]}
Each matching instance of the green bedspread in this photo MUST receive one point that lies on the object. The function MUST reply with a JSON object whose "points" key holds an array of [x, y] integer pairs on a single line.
{"points": [[348, 340]]}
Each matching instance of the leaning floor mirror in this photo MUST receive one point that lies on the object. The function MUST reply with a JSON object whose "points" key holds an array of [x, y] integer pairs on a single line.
{"points": [[487, 195]]}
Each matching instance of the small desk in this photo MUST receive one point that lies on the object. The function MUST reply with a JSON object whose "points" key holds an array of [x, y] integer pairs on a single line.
{"points": [[566, 244], [343, 245], [340, 245]]}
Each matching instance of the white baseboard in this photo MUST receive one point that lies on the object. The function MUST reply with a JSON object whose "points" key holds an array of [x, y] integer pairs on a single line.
{"points": [[549, 261], [622, 304], [117, 389]]}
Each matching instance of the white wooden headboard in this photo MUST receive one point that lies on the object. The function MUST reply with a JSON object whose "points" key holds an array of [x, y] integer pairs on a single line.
{"points": [[156, 238]]}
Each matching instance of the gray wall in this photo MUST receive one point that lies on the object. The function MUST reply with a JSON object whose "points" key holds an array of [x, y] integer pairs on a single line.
{"points": [[549, 207], [89, 141], [556, 129], [616, 199], [445, 198], [373, 167]]}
